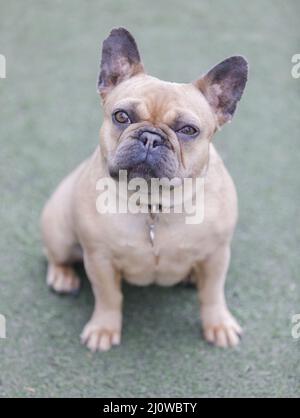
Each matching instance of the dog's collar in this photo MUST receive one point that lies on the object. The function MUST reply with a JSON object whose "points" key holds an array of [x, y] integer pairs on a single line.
{"points": [[152, 222]]}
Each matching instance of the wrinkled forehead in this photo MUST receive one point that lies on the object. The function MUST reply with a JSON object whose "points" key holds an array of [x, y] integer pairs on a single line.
{"points": [[160, 101]]}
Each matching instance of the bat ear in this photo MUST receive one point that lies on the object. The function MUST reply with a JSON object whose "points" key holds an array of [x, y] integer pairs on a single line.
{"points": [[223, 86], [120, 60]]}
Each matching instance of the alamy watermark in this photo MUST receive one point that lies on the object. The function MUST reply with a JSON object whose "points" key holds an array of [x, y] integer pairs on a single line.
{"points": [[2, 317], [296, 327], [295, 330], [2, 66], [296, 68], [157, 195], [2, 326]]}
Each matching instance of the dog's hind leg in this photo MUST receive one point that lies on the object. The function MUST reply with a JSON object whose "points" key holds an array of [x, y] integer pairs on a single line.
{"points": [[60, 243], [62, 279]]}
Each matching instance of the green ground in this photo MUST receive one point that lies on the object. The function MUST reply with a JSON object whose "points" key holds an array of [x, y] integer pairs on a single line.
{"points": [[49, 120]]}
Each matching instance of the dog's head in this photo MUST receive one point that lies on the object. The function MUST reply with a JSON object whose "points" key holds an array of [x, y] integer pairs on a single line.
{"points": [[157, 129]]}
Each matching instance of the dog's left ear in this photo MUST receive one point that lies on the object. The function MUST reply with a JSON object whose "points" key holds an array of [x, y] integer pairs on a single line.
{"points": [[120, 60], [223, 86]]}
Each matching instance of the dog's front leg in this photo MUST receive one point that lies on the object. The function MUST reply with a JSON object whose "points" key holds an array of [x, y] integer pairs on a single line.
{"points": [[219, 326], [104, 328]]}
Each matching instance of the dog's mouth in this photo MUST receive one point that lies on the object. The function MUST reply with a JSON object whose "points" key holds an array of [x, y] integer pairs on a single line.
{"points": [[139, 171], [148, 157], [143, 169]]}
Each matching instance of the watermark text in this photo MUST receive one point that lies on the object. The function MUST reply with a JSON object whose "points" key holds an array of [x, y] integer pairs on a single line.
{"points": [[2, 326], [296, 326], [163, 195], [2, 66], [296, 68]]}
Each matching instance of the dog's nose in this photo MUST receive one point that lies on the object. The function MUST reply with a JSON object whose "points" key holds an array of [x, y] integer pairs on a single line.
{"points": [[151, 139]]}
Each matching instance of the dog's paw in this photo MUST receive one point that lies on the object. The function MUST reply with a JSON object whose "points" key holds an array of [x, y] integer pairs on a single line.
{"points": [[63, 279], [220, 327], [100, 336]]}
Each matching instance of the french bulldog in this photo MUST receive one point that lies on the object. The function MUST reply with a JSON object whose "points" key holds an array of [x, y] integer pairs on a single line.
{"points": [[151, 129]]}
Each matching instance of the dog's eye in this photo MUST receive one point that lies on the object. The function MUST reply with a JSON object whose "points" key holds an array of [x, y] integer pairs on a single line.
{"points": [[121, 117], [188, 130]]}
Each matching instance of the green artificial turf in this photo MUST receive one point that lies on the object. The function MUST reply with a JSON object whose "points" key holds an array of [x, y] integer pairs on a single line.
{"points": [[49, 121]]}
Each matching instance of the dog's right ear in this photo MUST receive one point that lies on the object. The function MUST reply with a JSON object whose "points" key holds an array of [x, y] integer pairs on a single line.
{"points": [[120, 60], [223, 86]]}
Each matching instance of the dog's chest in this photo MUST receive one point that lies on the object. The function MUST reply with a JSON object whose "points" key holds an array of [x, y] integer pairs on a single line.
{"points": [[155, 250]]}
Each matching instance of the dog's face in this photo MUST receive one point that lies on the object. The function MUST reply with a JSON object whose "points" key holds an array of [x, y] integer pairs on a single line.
{"points": [[157, 129]]}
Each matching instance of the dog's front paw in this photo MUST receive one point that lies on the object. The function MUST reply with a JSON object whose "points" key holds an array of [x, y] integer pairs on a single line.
{"points": [[101, 335], [63, 279], [219, 326]]}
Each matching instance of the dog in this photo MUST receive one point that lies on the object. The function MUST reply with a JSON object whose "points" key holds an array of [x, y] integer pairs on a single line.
{"points": [[151, 129]]}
